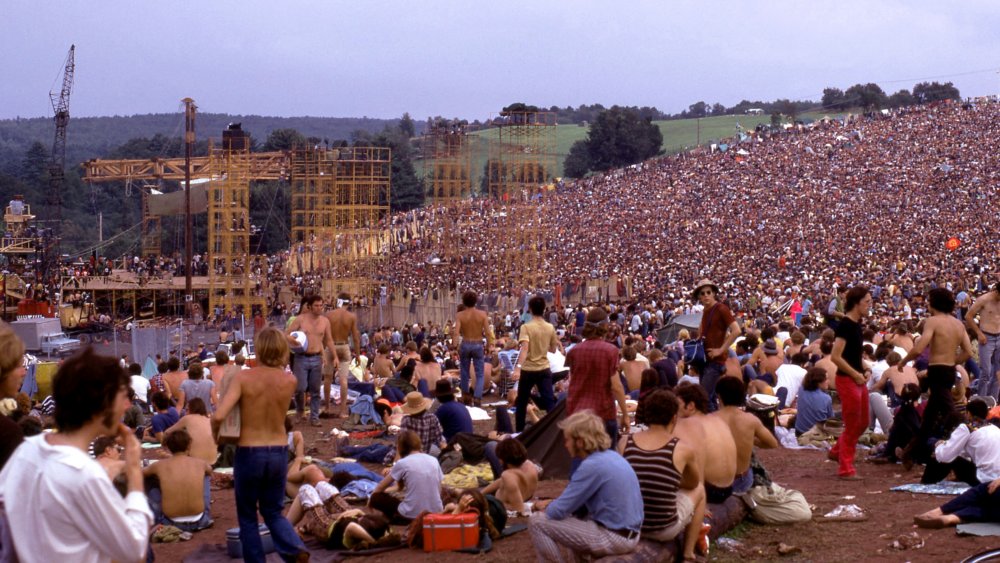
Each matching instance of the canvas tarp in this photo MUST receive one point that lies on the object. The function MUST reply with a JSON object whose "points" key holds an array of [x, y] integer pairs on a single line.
{"points": [[668, 334], [544, 442], [171, 204]]}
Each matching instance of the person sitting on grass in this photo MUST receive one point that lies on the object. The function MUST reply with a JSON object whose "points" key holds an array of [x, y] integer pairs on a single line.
{"points": [[182, 498], [519, 480], [165, 417], [424, 424], [814, 403], [199, 426], [420, 477]]}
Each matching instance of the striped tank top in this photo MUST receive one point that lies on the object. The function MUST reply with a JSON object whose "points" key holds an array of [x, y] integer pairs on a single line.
{"points": [[658, 481]]}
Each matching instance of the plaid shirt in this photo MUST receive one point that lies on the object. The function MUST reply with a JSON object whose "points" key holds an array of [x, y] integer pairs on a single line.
{"points": [[156, 382], [592, 364], [428, 428]]}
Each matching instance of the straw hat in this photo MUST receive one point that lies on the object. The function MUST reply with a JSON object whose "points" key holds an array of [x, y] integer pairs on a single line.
{"points": [[415, 402], [704, 283]]}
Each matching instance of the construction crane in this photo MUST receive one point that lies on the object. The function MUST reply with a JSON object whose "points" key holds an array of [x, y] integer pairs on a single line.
{"points": [[57, 168]]}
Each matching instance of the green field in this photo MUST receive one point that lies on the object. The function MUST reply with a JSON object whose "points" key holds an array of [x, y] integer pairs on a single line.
{"points": [[678, 135]]}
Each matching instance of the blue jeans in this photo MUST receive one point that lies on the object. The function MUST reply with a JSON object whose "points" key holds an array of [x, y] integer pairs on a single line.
{"points": [[259, 475], [309, 374], [529, 380], [989, 363], [712, 374], [471, 352]]}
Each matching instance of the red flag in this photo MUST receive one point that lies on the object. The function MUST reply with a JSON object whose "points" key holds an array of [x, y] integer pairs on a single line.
{"points": [[953, 243]]}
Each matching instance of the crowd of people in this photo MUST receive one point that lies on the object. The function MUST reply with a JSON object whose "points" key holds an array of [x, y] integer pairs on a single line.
{"points": [[840, 301]]}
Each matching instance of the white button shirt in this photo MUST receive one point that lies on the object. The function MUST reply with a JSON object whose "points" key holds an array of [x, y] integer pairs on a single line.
{"points": [[62, 507]]}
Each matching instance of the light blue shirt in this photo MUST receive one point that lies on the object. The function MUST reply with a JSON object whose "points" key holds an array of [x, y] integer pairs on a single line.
{"points": [[605, 486]]}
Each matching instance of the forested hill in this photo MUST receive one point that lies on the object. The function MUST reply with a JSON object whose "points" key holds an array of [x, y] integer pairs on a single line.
{"points": [[96, 137]]}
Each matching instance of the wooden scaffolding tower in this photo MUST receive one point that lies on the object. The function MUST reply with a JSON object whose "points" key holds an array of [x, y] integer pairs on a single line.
{"points": [[340, 216], [234, 287], [447, 151], [522, 156], [523, 260]]}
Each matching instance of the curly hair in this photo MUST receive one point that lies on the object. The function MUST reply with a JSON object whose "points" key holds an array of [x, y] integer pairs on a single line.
{"points": [[87, 384]]}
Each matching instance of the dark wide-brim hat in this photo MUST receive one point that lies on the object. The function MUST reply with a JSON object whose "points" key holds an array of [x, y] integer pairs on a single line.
{"points": [[704, 283], [443, 389]]}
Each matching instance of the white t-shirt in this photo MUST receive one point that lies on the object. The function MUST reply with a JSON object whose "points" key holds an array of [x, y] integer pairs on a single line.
{"points": [[790, 377], [421, 476], [65, 508], [141, 387]]}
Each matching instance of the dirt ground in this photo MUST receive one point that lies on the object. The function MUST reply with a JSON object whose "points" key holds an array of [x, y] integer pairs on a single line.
{"points": [[890, 516]]}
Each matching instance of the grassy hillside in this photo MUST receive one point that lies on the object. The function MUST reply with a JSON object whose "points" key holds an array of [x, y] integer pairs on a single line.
{"points": [[678, 135]]}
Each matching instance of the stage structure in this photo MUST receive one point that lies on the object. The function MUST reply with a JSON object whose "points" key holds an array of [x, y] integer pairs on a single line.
{"points": [[522, 155], [522, 263], [447, 151], [340, 216], [234, 286]]}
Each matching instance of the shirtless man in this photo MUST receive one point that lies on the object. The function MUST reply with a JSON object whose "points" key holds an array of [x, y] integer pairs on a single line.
{"points": [[173, 378], [471, 327], [309, 362], [217, 371], [199, 428], [182, 499], [343, 325], [382, 364], [717, 453], [988, 334], [261, 462], [519, 479], [897, 375], [631, 368], [747, 429], [949, 346], [826, 362]]}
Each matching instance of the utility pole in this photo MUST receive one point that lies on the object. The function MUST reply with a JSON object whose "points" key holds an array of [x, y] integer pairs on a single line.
{"points": [[189, 109]]}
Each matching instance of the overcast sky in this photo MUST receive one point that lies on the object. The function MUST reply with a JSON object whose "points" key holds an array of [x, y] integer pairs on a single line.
{"points": [[467, 58]]}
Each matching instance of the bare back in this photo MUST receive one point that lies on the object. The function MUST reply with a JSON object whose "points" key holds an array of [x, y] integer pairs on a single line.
{"points": [[745, 428], [199, 427], [633, 373], [471, 324], [717, 448], [181, 482], [830, 368], [265, 394], [343, 325]]}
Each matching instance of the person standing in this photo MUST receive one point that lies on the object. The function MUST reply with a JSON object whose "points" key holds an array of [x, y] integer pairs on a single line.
{"points": [[343, 325], [594, 383], [604, 488], [852, 377], [260, 467], [308, 362], [718, 330], [949, 346], [537, 339], [987, 307], [64, 506], [471, 328]]}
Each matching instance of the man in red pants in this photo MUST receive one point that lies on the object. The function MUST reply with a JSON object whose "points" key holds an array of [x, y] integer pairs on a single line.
{"points": [[851, 377]]}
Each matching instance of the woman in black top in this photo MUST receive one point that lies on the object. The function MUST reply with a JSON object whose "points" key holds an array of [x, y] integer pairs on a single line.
{"points": [[851, 379]]}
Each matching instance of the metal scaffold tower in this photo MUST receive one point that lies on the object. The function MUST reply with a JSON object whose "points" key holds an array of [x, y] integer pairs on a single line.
{"points": [[234, 285], [447, 152], [522, 263], [340, 216], [522, 157]]}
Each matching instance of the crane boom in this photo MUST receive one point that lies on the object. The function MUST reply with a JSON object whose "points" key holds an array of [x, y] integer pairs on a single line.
{"points": [[57, 168]]}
